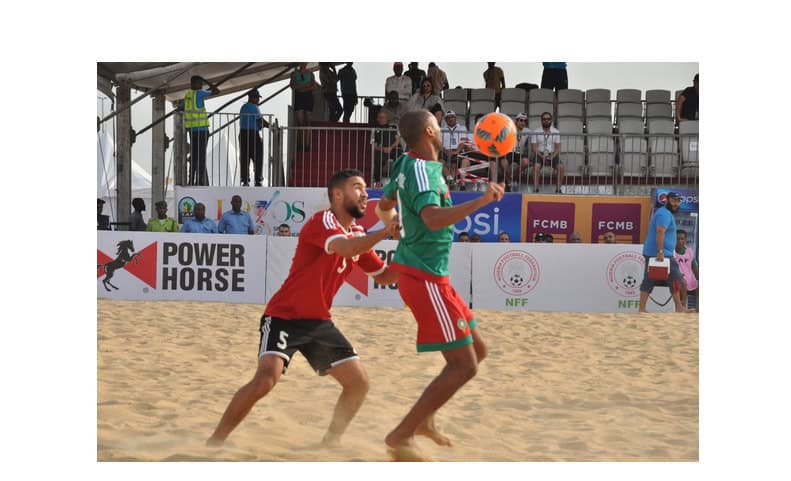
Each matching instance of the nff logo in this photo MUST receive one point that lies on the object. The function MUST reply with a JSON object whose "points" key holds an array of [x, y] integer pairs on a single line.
{"points": [[142, 264]]}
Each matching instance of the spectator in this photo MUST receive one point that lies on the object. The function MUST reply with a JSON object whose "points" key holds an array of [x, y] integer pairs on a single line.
{"points": [[102, 221], [284, 230], [348, 78], [196, 121], [400, 83], [546, 149], [454, 138], [236, 221], [660, 242], [609, 237], [328, 78], [549, 238], [575, 238], [387, 147], [394, 108], [475, 238], [251, 145], [416, 75], [509, 164], [199, 224], [688, 266], [136, 219], [162, 223], [504, 237], [437, 75], [436, 110], [303, 84], [464, 236], [555, 76], [539, 237], [425, 99], [495, 79], [687, 102]]}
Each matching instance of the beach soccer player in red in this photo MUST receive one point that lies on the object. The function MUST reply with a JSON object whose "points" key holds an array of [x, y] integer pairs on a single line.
{"points": [[444, 322], [297, 318]]}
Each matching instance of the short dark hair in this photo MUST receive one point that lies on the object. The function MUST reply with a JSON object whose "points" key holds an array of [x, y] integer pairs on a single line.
{"points": [[412, 124], [696, 78], [138, 203], [284, 225], [681, 231], [339, 178]]}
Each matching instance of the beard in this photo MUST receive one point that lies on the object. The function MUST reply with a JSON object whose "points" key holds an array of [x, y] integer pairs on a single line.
{"points": [[672, 208], [354, 210]]}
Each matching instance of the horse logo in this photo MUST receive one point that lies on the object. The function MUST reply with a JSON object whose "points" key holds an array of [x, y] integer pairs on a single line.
{"points": [[123, 258]]}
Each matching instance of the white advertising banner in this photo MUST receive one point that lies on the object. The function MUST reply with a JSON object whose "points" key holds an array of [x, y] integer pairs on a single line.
{"points": [[268, 206], [562, 277], [164, 266], [360, 289]]}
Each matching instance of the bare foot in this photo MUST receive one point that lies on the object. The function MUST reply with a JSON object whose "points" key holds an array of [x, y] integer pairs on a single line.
{"points": [[213, 442], [407, 452], [428, 430], [643, 311], [331, 440]]}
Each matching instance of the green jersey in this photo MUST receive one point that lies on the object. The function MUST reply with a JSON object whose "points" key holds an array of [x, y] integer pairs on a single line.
{"points": [[414, 184]]}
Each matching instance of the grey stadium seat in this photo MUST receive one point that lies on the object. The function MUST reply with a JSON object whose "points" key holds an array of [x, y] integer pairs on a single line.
{"points": [[688, 134], [662, 147], [568, 96], [541, 95], [481, 107], [657, 96], [458, 106], [598, 109], [569, 110], [628, 95], [597, 95], [511, 108], [572, 145], [628, 109], [658, 111], [455, 94], [481, 94], [601, 148], [514, 95], [632, 146]]}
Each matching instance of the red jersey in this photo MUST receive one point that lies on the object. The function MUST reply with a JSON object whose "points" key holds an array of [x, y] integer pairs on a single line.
{"points": [[317, 273]]}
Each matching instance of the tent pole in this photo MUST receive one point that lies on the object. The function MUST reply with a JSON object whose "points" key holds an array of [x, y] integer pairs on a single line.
{"points": [[179, 148], [157, 152], [124, 149]]}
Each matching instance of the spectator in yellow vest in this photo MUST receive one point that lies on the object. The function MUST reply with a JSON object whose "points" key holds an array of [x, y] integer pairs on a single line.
{"points": [[196, 121], [162, 223]]}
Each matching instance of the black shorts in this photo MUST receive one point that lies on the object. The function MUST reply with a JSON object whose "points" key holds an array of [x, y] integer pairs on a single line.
{"points": [[322, 344], [303, 101], [555, 162], [555, 78]]}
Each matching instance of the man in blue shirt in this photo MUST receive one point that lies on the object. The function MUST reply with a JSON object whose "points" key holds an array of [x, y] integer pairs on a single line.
{"points": [[250, 144], [661, 242], [235, 221], [199, 224]]}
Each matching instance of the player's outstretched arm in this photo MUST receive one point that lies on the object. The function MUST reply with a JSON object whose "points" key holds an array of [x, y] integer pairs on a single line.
{"points": [[357, 245], [436, 217]]}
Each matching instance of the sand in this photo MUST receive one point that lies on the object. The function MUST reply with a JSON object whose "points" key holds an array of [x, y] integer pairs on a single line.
{"points": [[556, 387]]}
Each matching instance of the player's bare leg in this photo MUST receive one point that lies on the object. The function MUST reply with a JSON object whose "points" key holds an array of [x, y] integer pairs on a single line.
{"points": [[354, 379], [266, 376], [461, 366], [428, 428]]}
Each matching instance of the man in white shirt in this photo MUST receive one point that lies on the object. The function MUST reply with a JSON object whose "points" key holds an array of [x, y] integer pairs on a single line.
{"points": [[399, 82], [509, 163], [545, 144], [454, 138]]}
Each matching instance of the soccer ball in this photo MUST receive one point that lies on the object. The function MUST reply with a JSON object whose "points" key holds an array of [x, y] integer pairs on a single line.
{"points": [[495, 134], [516, 280], [630, 282]]}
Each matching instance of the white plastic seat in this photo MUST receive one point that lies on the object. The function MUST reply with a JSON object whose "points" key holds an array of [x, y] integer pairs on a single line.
{"points": [[570, 96], [657, 96], [541, 95], [454, 94], [481, 94], [627, 95]]}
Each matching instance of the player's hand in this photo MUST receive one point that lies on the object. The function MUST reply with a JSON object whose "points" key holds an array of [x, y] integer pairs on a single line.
{"points": [[393, 228], [494, 192]]}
